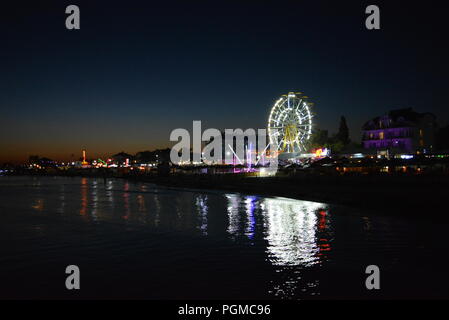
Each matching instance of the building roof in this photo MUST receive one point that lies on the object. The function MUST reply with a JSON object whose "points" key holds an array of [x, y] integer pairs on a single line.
{"points": [[396, 118]]}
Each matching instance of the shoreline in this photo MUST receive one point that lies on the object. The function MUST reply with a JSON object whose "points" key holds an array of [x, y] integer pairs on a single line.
{"points": [[418, 196], [414, 196]]}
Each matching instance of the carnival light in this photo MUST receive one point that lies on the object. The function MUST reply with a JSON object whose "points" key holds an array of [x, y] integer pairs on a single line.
{"points": [[321, 153], [290, 123]]}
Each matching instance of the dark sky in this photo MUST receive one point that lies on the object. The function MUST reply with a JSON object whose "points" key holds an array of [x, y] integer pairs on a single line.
{"points": [[137, 70]]}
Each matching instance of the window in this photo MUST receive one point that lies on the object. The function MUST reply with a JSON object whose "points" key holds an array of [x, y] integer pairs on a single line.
{"points": [[381, 135]]}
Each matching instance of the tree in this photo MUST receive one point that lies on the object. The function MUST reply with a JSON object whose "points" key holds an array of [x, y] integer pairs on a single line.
{"points": [[343, 132], [335, 144], [319, 139]]}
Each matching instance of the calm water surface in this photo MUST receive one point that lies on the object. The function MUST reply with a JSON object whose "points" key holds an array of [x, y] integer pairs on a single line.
{"points": [[138, 240]]}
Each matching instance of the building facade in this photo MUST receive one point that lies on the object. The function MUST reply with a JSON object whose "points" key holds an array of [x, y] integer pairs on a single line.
{"points": [[400, 131]]}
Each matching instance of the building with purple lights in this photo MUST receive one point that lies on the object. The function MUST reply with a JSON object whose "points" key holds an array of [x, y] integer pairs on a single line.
{"points": [[400, 131]]}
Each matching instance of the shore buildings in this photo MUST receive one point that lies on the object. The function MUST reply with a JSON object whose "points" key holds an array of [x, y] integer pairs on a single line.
{"points": [[400, 131]]}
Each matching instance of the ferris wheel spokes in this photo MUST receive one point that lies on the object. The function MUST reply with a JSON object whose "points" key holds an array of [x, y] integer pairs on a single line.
{"points": [[290, 123]]}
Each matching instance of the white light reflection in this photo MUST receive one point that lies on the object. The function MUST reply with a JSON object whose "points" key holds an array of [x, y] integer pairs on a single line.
{"points": [[233, 213], [291, 228], [294, 229], [297, 235], [201, 204]]}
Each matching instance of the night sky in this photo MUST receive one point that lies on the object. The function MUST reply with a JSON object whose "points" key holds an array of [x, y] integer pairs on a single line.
{"points": [[137, 70]]}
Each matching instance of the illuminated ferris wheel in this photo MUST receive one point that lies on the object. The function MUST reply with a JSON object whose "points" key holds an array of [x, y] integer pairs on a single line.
{"points": [[290, 123]]}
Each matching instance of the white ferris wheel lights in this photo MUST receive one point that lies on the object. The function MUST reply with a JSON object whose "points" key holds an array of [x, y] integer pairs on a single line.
{"points": [[290, 123]]}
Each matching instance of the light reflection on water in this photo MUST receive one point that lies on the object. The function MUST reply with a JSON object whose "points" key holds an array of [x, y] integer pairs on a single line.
{"points": [[202, 207], [294, 233], [291, 237], [297, 231], [292, 228], [298, 234]]}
